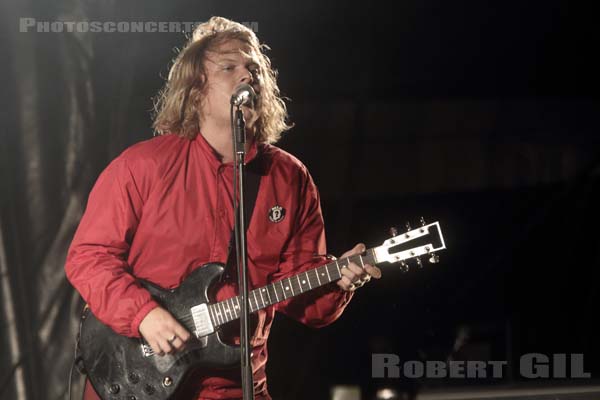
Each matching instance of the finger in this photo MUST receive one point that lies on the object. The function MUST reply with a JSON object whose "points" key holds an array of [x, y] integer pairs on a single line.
{"points": [[182, 333], [356, 269], [177, 344], [165, 346], [174, 341], [345, 284], [155, 347], [358, 249], [348, 273], [373, 271]]}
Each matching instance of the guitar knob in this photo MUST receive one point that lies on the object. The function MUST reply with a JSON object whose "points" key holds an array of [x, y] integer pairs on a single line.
{"points": [[393, 231], [149, 389], [434, 259], [133, 377], [114, 388], [422, 220], [167, 381], [403, 267], [419, 262]]}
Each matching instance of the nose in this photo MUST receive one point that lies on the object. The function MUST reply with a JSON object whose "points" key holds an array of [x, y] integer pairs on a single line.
{"points": [[247, 77]]}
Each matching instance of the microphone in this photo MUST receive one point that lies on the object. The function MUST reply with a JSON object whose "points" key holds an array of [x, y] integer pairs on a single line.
{"points": [[243, 94]]}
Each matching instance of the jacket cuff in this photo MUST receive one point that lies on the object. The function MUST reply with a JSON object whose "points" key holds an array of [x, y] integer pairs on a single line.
{"points": [[141, 314]]}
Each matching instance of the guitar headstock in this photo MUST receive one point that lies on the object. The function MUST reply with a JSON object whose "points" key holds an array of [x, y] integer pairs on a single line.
{"points": [[425, 240]]}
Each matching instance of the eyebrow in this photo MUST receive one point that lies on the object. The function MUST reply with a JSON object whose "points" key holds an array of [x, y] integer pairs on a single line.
{"points": [[227, 59], [248, 61]]}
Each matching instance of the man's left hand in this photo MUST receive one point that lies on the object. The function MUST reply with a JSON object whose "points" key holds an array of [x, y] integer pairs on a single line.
{"points": [[354, 276]]}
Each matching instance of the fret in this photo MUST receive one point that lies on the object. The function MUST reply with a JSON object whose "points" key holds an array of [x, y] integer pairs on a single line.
{"points": [[212, 316], [361, 261], [337, 273], [299, 284], [224, 305], [308, 280], [317, 273], [216, 315], [227, 309], [232, 308], [255, 302], [327, 270], [282, 289], [241, 303], [261, 296], [291, 286], [264, 289], [335, 269], [223, 316], [239, 306], [219, 317], [316, 282], [272, 286], [291, 283], [236, 309]]}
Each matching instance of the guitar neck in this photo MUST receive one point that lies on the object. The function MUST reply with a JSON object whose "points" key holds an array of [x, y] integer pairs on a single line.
{"points": [[229, 310], [425, 240]]}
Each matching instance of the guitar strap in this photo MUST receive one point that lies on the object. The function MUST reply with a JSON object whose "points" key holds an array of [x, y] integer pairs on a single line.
{"points": [[253, 176]]}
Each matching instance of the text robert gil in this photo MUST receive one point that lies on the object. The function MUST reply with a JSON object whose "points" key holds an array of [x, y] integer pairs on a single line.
{"points": [[531, 365]]}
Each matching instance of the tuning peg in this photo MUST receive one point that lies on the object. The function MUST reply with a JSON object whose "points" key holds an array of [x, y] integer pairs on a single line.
{"points": [[407, 225], [422, 220], [434, 259], [393, 231], [403, 266], [419, 262]]}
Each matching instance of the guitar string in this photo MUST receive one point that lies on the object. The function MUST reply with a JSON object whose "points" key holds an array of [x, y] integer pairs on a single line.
{"points": [[188, 319]]}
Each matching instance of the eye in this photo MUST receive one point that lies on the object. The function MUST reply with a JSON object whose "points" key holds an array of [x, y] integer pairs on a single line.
{"points": [[228, 67], [254, 69]]}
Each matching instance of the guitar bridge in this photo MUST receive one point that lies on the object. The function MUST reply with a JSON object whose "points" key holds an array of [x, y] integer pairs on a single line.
{"points": [[202, 322], [200, 344], [146, 349]]}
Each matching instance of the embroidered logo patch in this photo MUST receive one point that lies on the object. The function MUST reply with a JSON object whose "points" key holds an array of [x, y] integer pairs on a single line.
{"points": [[276, 214]]}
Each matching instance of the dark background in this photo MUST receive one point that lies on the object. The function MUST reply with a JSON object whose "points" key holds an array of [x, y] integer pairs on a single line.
{"points": [[482, 115]]}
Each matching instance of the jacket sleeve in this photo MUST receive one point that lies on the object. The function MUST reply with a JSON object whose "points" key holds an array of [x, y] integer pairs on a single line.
{"points": [[96, 260], [307, 250]]}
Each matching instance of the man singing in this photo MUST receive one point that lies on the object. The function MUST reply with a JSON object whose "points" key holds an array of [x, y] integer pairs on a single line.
{"points": [[163, 208]]}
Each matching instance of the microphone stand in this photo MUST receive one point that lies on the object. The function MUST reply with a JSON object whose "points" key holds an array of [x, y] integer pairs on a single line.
{"points": [[239, 149]]}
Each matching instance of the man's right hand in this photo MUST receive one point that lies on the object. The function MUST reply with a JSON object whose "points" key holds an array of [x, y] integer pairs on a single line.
{"points": [[162, 332]]}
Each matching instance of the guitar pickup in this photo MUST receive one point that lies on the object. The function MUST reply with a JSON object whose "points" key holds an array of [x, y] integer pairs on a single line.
{"points": [[202, 322]]}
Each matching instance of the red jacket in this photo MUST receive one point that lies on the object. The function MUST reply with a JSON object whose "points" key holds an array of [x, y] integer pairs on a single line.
{"points": [[164, 208]]}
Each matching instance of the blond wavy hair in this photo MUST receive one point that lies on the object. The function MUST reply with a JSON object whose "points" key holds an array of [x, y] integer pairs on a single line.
{"points": [[177, 105]]}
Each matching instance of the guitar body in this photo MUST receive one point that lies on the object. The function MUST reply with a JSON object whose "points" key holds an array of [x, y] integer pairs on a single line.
{"points": [[120, 367], [125, 368]]}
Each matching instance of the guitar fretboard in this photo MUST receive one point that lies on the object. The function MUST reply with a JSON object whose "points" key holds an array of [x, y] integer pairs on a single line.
{"points": [[229, 310]]}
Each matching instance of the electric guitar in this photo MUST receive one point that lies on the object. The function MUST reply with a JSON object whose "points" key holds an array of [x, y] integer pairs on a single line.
{"points": [[121, 367]]}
